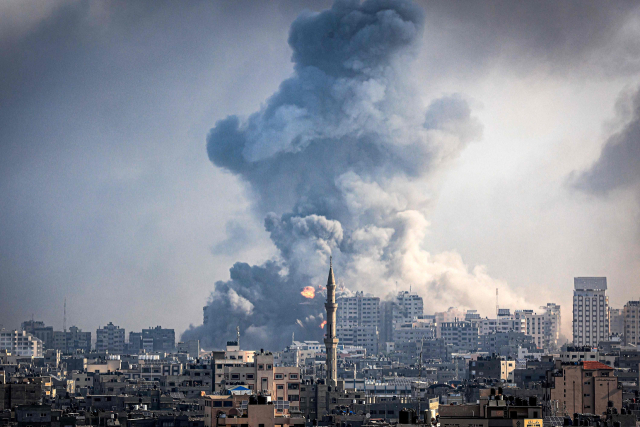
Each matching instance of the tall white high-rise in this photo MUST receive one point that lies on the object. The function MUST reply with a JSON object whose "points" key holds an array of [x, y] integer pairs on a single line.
{"points": [[590, 311]]}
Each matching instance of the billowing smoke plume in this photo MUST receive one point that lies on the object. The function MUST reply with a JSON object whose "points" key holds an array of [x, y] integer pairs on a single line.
{"points": [[341, 161]]}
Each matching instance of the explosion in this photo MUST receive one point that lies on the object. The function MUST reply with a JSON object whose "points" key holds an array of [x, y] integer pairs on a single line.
{"points": [[324, 322], [343, 159], [308, 292]]}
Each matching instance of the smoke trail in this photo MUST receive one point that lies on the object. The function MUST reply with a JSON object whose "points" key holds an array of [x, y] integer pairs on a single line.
{"points": [[340, 161]]}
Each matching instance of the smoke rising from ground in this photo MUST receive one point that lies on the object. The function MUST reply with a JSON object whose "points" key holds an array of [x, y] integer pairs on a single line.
{"points": [[343, 160]]}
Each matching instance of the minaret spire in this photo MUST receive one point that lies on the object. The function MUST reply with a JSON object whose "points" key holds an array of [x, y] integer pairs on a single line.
{"points": [[331, 341]]}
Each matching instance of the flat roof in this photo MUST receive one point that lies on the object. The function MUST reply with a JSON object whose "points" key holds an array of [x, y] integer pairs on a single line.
{"points": [[590, 283]]}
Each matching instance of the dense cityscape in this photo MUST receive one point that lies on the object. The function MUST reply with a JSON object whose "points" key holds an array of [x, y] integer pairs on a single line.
{"points": [[319, 213], [380, 363]]}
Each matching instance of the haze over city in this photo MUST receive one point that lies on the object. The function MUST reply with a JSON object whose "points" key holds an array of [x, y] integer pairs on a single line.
{"points": [[152, 151]]}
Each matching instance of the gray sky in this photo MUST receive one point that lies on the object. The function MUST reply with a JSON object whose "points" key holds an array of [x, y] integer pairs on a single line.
{"points": [[108, 198]]}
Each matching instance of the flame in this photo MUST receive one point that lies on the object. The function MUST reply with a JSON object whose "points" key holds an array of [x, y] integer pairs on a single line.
{"points": [[324, 322], [308, 292]]}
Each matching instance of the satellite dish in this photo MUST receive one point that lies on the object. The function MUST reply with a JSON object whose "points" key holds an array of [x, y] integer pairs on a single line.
{"points": [[368, 415]]}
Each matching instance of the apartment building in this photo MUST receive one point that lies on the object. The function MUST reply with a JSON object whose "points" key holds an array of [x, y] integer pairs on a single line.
{"points": [[544, 328], [585, 388], [261, 376], [451, 315], [631, 319], [156, 339], [20, 343], [110, 339], [357, 321], [417, 331], [38, 329], [461, 335], [590, 311], [408, 306], [72, 340], [616, 322]]}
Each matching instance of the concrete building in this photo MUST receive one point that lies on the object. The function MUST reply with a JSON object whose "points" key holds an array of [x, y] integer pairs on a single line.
{"points": [[590, 311], [331, 340], [262, 377], [497, 368], [585, 388], [72, 340], [616, 322], [39, 330], [451, 315], [462, 336], [20, 343], [357, 320], [408, 306], [544, 328], [505, 322], [553, 325], [110, 339], [631, 323], [417, 331], [361, 336], [191, 347], [152, 340], [506, 344]]}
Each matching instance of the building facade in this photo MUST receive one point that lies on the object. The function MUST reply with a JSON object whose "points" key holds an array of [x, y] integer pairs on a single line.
{"points": [[616, 322], [110, 339], [586, 388], [631, 323], [357, 320], [21, 343], [462, 336], [590, 311]]}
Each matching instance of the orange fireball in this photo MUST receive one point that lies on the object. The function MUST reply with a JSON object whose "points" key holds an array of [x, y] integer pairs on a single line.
{"points": [[308, 292], [324, 322]]}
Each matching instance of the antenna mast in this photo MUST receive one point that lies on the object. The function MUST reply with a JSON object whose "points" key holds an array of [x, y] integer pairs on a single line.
{"points": [[238, 336], [497, 306], [64, 319]]}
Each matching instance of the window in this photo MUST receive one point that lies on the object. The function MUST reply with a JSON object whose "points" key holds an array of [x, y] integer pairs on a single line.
{"points": [[249, 376], [227, 403], [293, 376], [279, 376]]}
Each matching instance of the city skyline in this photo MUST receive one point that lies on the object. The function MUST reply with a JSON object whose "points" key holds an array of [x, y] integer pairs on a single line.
{"points": [[111, 200]]}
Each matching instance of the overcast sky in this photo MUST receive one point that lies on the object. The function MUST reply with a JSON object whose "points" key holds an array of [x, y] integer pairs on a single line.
{"points": [[108, 197]]}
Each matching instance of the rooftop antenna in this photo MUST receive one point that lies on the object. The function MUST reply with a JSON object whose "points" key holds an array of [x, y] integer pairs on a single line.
{"points": [[293, 337], [497, 306], [64, 319], [238, 336]]}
